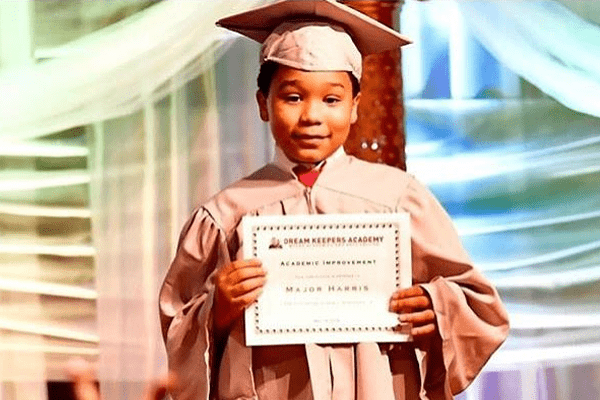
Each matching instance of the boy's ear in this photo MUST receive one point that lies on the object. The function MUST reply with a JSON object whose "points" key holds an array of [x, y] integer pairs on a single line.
{"points": [[261, 99], [354, 114]]}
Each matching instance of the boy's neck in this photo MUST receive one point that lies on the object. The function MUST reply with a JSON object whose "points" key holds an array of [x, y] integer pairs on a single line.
{"points": [[283, 162]]}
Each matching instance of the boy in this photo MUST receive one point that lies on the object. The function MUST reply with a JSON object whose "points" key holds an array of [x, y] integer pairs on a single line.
{"points": [[308, 93]]}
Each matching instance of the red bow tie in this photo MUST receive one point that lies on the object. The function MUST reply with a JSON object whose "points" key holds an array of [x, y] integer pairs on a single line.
{"points": [[307, 175]]}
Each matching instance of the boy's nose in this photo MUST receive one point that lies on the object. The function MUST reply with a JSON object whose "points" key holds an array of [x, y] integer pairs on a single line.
{"points": [[311, 113]]}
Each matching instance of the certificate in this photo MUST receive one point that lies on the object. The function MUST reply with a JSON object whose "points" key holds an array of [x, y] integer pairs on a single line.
{"points": [[329, 277]]}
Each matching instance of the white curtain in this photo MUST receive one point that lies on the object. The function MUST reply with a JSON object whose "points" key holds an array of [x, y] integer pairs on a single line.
{"points": [[150, 169], [159, 138], [545, 43], [114, 71], [556, 246], [502, 124]]}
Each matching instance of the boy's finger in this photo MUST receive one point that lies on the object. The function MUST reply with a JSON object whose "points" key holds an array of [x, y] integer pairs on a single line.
{"points": [[412, 291], [244, 301], [251, 262], [227, 280], [418, 318], [423, 330], [241, 274], [241, 264], [247, 285], [409, 304]]}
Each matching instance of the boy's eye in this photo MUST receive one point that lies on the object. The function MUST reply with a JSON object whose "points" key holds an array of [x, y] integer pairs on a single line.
{"points": [[332, 100], [292, 98]]}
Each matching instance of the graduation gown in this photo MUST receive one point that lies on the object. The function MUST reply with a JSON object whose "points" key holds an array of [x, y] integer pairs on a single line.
{"points": [[471, 321]]}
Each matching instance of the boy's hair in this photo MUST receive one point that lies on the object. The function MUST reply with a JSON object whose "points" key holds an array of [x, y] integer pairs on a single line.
{"points": [[269, 68]]}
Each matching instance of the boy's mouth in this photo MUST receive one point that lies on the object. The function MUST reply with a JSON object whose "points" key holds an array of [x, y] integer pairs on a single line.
{"points": [[309, 140], [309, 136]]}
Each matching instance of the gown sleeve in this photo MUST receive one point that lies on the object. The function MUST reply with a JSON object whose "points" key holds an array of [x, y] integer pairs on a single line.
{"points": [[185, 305], [472, 322]]}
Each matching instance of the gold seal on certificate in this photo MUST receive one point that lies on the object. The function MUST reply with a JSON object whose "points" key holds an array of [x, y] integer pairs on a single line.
{"points": [[329, 277]]}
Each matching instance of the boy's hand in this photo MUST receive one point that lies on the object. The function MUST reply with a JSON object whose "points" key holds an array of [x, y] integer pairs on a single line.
{"points": [[414, 305], [237, 286]]}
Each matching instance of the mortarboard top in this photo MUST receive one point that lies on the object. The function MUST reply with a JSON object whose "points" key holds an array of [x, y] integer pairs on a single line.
{"points": [[369, 35]]}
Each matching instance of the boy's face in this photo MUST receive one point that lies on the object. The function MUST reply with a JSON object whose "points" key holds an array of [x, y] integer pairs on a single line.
{"points": [[310, 113]]}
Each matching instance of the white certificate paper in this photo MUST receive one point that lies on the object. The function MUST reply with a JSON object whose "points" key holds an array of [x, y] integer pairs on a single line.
{"points": [[329, 277]]}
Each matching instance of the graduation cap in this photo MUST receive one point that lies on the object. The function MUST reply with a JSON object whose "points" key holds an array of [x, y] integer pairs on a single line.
{"points": [[314, 35]]}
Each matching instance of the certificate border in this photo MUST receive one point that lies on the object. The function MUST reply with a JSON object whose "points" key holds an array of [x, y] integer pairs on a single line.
{"points": [[400, 221], [342, 226]]}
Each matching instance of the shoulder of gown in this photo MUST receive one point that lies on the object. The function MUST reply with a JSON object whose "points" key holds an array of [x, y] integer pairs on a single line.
{"points": [[373, 182], [266, 186]]}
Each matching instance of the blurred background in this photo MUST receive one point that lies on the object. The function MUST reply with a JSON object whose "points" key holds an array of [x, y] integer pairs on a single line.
{"points": [[117, 118]]}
